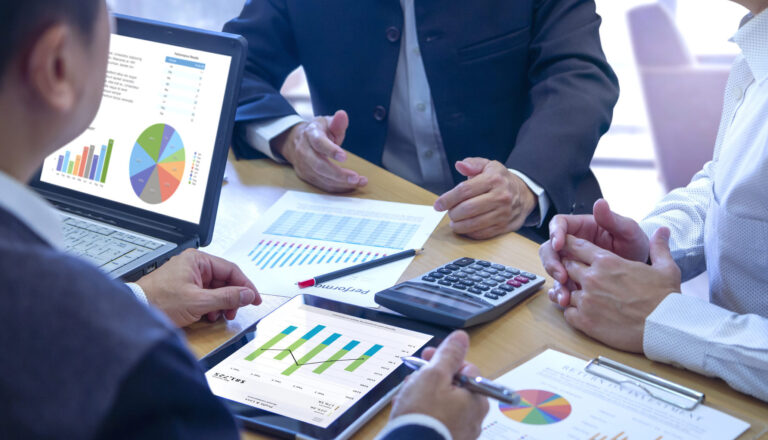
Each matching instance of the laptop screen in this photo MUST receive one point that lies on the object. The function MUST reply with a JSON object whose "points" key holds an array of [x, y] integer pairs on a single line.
{"points": [[151, 144]]}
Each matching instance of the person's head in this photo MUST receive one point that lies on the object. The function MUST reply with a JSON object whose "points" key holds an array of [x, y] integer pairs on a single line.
{"points": [[53, 61], [755, 6]]}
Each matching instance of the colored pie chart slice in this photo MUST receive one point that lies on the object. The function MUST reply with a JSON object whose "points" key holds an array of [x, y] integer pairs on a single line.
{"points": [[537, 407], [157, 164]]}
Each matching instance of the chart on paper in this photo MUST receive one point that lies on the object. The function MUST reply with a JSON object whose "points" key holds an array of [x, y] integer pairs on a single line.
{"points": [[306, 235], [312, 364]]}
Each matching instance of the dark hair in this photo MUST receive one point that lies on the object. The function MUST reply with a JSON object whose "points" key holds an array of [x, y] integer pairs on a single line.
{"points": [[20, 19]]}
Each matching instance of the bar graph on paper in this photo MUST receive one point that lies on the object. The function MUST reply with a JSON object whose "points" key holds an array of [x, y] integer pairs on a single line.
{"points": [[277, 254]]}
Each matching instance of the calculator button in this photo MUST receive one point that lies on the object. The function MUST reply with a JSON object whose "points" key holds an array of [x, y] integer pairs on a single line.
{"points": [[489, 283], [529, 275], [445, 271], [482, 287], [506, 288], [499, 267], [491, 296], [483, 263], [507, 274], [429, 279], [452, 267], [459, 286], [467, 283], [451, 278], [522, 279], [464, 262], [469, 271], [513, 270], [475, 290], [514, 283], [436, 275], [498, 278], [460, 275], [498, 292], [491, 271], [444, 283], [475, 278], [484, 274]]}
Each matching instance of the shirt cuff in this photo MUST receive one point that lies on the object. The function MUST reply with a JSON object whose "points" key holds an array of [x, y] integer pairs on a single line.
{"points": [[543, 200], [138, 292], [416, 419], [260, 134]]}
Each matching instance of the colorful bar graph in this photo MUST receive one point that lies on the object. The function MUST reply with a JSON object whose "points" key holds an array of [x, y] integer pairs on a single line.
{"points": [[300, 342], [336, 356], [106, 161], [269, 344], [88, 165], [312, 353], [367, 355]]}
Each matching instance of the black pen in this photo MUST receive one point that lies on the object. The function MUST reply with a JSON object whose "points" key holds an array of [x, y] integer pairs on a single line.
{"points": [[478, 384], [359, 268]]}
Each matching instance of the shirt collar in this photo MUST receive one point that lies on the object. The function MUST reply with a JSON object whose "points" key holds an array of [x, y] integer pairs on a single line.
{"points": [[751, 38], [31, 209]]}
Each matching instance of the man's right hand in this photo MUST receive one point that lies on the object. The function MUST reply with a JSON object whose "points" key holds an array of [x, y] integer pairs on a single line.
{"points": [[311, 147], [431, 391], [606, 229]]}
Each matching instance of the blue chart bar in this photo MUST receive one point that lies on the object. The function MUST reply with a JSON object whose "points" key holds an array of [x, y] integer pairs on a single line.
{"points": [[66, 162], [344, 229]]}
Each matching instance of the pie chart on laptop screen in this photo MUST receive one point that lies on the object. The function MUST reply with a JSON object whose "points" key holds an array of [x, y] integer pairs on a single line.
{"points": [[157, 164]]}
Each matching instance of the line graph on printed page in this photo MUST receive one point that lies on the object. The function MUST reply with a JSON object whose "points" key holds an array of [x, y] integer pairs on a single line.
{"points": [[305, 235]]}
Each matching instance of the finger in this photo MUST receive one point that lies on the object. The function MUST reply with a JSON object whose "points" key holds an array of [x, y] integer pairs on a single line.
{"points": [[331, 176], [213, 316], [337, 128], [230, 314], [616, 224], [562, 225], [225, 298], [660, 253], [463, 191], [476, 223], [576, 297], [470, 370], [449, 357], [575, 318], [428, 353], [550, 259], [318, 140], [476, 206], [221, 270], [582, 250], [576, 270], [471, 166], [490, 232]]}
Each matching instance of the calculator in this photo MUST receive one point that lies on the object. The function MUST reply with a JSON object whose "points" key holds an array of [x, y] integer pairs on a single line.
{"points": [[461, 294]]}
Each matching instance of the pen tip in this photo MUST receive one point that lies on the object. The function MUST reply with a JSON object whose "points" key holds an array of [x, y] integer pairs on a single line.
{"points": [[419, 251]]}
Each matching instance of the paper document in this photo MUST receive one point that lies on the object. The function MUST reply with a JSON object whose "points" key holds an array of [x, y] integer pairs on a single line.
{"points": [[560, 400], [306, 235]]}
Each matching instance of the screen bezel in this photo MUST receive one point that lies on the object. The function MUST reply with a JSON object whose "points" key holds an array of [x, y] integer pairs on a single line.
{"points": [[230, 45], [264, 420]]}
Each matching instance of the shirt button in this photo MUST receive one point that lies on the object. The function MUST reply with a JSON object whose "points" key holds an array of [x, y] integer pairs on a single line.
{"points": [[379, 113], [429, 154], [416, 51], [421, 106], [739, 93], [393, 34]]}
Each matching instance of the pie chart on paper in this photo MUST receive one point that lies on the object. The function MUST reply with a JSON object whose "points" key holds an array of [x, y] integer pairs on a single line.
{"points": [[537, 407], [157, 164]]}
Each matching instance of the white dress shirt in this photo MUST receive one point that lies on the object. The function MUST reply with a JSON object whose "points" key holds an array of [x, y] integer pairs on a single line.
{"points": [[414, 147], [719, 223], [39, 216]]}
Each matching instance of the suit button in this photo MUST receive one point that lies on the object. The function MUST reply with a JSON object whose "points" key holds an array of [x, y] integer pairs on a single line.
{"points": [[379, 113], [393, 34]]}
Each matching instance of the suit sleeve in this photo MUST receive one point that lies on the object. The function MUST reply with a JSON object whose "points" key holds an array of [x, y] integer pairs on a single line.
{"points": [[272, 56], [570, 101], [166, 396]]}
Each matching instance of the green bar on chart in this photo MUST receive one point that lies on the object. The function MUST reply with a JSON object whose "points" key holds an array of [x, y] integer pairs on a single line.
{"points": [[312, 353], [106, 161], [300, 342], [271, 343], [367, 355], [338, 355]]}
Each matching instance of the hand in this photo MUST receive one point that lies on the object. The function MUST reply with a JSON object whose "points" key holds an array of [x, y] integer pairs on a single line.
{"points": [[310, 146], [194, 284], [491, 202], [617, 295], [431, 391], [606, 229]]}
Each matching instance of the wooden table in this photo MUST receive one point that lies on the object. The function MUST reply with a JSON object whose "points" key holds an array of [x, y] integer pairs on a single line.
{"points": [[253, 186]]}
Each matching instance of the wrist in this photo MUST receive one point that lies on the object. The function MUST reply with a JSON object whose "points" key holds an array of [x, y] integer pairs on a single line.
{"points": [[284, 145]]}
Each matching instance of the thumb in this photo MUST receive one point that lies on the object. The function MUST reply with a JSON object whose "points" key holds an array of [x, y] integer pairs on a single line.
{"points": [[660, 253], [616, 224], [449, 356], [471, 166], [337, 129], [227, 298]]}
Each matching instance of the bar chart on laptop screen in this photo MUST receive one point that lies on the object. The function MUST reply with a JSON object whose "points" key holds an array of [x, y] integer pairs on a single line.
{"points": [[312, 364], [90, 164]]}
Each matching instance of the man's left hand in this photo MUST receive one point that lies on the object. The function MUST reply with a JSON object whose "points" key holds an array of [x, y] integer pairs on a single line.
{"points": [[195, 284], [614, 296], [491, 202]]}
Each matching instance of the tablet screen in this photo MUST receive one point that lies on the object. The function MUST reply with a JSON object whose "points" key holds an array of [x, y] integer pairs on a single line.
{"points": [[311, 364]]}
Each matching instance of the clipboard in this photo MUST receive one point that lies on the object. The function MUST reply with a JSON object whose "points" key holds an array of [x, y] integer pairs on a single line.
{"points": [[655, 387]]}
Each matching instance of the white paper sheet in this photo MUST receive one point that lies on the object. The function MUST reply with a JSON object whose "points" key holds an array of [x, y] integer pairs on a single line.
{"points": [[306, 235], [562, 401]]}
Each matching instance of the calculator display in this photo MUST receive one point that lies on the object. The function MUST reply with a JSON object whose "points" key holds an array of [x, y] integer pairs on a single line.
{"points": [[432, 298]]}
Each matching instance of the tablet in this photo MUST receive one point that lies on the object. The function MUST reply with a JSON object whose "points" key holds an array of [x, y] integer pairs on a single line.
{"points": [[315, 368]]}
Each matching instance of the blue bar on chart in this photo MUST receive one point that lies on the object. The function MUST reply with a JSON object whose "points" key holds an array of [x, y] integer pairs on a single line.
{"points": [[60, 163], [300, 342], [94, 166], [102, 155], [361, 360]]}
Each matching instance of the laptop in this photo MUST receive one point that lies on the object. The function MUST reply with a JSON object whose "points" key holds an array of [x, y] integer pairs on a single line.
{"points": [[142, 183]]}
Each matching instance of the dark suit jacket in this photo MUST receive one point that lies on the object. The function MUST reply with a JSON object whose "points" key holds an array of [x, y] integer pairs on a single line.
{"points": [[83, 359], [524, 82]]}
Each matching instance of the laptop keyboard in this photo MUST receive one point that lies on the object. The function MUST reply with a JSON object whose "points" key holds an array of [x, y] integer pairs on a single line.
{"points": [[107, 248]]}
